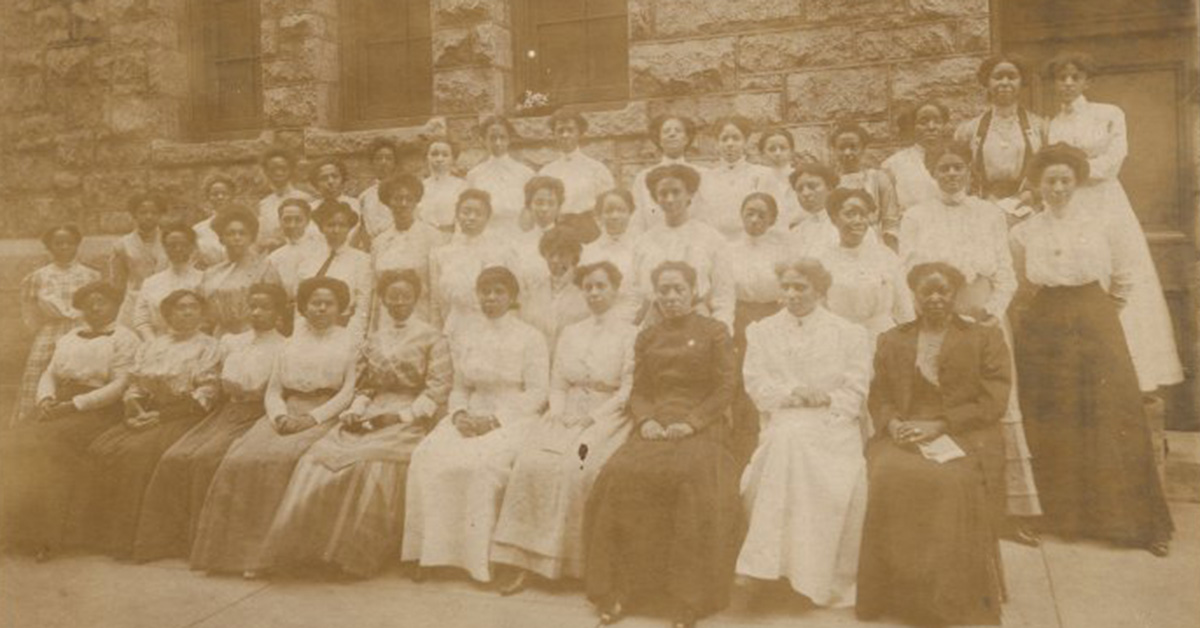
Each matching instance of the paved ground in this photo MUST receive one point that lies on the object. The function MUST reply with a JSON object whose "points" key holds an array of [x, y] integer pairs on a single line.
{"points": [[1060, 585]]}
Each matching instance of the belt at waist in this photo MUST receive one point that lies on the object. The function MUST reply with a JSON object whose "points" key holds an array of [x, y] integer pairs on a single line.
{"points": [[289, 393], [67, 390]]}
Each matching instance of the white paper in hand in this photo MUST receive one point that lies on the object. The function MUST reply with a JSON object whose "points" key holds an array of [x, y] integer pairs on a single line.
{"points": [[942, 449]]}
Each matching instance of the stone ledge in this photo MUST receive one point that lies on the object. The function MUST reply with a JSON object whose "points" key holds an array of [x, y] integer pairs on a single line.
{"points": [[174, 153]]}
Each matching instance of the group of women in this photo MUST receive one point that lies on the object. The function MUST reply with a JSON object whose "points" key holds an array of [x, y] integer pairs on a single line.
{"points": [[786, 371]]}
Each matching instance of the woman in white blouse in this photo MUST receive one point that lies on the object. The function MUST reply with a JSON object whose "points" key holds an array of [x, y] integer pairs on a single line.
{"points": [[501, 176], [614, 211], [849, 141], [555, 299], [777, 149], [454, 268], [338, 259], [805, 490], [175, 496], [328, 179], [219, 193], [225, 286], [727, 184], [540, 529], [139, 253], [311, 383], [442, 186], [406, 245], [924, 127], [812, 182], [459, 473], [583, 177], [179, 243], [673, 135], [1098, 130], [376, 215]]}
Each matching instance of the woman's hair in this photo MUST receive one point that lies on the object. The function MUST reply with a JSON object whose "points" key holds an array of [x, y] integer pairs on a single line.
{"points": [[100, 287], [984, 74], [683, 268], [442, 139], [388, 187], [502, 276], [280, 153], [839, 196], [300, 203], [567, 113], [167, 306], [921, 271], [1083, 61], [767, 199], [543, 182], [851, 127], [219, 178], [686, 174], [935, 154], [315, 169], [1059, 153], [71, 230], [906, 122], [341, 292], [381, 143], [656, 125], [328, 209], [742, 123], [810, 269], [239, 214], [620, 193], [814, 169], [493, 120], [474, 193], [178, 227], [275, 292], [392, 275], [137, 200], [560, 240], [608, 268], [777, 131]]}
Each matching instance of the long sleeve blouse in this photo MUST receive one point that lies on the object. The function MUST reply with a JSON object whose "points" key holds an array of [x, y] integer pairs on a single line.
{"points": [[247, 361], [1073, 249], [354, 268], [593, 369], [408, 371], [148, 321], [169, 368], [226, 288], [1097, 129], [726, 185], [501, 368], [583, 177], [684, 372], [702, 247], [314, 360], [438, 203], [101, 362], [504, 179]]}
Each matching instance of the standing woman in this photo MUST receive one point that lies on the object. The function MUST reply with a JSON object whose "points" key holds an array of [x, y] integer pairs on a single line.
{"points": [[311, 384], [219, 191], [345, 502], [728, 183], [406, 245], [339, 260], [226, 286], [501, 176], [79, 397], [139, 253], [805, 490], [614, 211], [176, 493], [179, 244], [664, 513], [46, 308], [300, 242], [1087, 429], [673, 135], [777, 148], [173, 386], [442, 187], [583, 177], [376, 215], [849, 142], [558, 300], [1099, 131], [328, 178], [278, 167], [924, 128], [459, 473], [454, 268]]}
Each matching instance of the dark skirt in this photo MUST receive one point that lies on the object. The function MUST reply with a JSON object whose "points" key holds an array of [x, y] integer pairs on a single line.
{"points": [[663, 521], [122, 461], [744, 438], [175, 497], [41, 469], [1085, 422], [930, 553]]}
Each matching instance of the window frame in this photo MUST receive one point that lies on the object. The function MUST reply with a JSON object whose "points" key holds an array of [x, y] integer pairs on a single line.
{"points": [[201, 75], [525, 27], [349, 115]]}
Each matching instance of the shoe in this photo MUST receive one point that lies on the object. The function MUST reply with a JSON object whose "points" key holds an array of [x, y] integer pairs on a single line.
{"points": [[612, 613], [42, 554], [1161, 549], [1020, 532], [516, 585]]}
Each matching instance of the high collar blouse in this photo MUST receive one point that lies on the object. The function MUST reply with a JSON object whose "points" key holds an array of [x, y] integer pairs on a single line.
{"points": [[407, 369], [504, 179], [101, 362], [1074, 249], [583, 177], [453, 269], [147, 317], [814, 232], [753, 262], [247, 361], [1097, 129], [226, 288], [410, 249], [910, 179], [169, 368], [702, 247], [647, 213], [1003, 147], [284, 262], [376, 216], [501, 368], [353, 267], [270, 235], [593, 368], [868, 286], [438, 203], [46, 293], [314, 360], [726, 185]]}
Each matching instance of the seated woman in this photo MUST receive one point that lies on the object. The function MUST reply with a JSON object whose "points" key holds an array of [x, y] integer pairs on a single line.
{"points": [[541, 522], [311, 384], [406, 244], [344, 505], [1092, 454], [458, 474], [78, 398], [225, 286], [805, 490], [663, 515], [935, 468], [176, 493], [173, 386], [179, 244], [455, 267]]}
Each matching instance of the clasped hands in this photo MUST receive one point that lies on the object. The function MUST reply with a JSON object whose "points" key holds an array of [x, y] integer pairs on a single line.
{"points": [[354, 423], [653, 430], [51, 409], [288, 424], [470, 425], [915, 432], [805, 397]]}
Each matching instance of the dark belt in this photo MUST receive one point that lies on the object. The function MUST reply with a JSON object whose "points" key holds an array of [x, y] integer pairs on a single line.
{"points": [[288, 393]]}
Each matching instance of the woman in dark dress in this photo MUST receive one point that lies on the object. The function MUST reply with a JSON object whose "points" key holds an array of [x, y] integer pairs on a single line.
{"points": [[662, 519], [935, 469], [1092, 454], [78, 397]]}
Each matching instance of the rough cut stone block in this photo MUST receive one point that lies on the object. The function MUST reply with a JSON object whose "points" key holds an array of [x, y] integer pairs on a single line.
{"points": [[833, 10], [949, 8], [319, 142], [795, 49], [761, 108], [69, 63], [685, 67], [641, 19], [832, 94], [690, 17], [293, 105], [470, 90], [482, 44], [950, 80], [760, 82], [172, 153], [130, 114], [450, 13], [922, 40], [975, 34]]}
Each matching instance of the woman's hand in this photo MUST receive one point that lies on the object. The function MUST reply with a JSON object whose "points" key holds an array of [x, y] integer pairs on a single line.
{"points": [[349, 418], [803, 397], [49, 409], [144, 420], [678, 431], [652, 430], [291, 424], [915, 432]]}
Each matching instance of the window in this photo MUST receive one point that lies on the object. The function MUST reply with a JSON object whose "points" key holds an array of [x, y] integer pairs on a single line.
{"points": [[573, 50], [387, 65], [225, 66]]}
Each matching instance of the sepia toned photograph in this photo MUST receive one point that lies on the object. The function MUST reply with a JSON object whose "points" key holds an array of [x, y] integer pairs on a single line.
{"points": [[586, 313]]}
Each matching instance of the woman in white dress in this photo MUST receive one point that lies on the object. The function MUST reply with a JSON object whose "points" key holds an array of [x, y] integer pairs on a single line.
{"points": [[805, 490], [615, 211], [583, 177], [442, 186], [406, 244], [673, 135], [454, 268], [458, 474], [971, 234], [376, 215], [139, 253], [179, 244], [540, 529], [500, 175], [777, 148], [924, 127], [1098, 129], [728, 183]]}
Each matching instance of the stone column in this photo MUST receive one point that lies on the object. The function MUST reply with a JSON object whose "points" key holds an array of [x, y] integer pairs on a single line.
{"points": [[472, 56], [299, 63]]}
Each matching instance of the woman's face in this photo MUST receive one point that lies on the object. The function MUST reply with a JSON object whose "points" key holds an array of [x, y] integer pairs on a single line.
{"points": [[757, 217], [236, 239], [811, 191], [952, 173], [403, 204], [934, 296], [1057, 185], [496, 137], [799, 294], [293, 221], [263, 312], [146, 216], [494, 299], [219, 195], [615, 215], [329, 181], [278, 172], [440, 158], [674, 294], [599, 291], [561, 262], [1070, 83], [544, 204], [400, 299], [673, 138], [1004, 84], [178, 248], [98, 310], [336, 229], [383, 162], [852, 221], [186, 315], [63, 247], [673, 196], [929, 126], [849, 150], [472, 216], [778, 151], [731, 143], [322, 309], [566, 134]]}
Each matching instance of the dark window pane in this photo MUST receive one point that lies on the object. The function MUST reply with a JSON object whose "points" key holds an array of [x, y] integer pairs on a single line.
{"points": [[560, 53], [226, 96], [236, 30], [549, 11], [606, 8], [608, 61], [381, 74], [236, 90], [387, 59], [582, 49]]}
